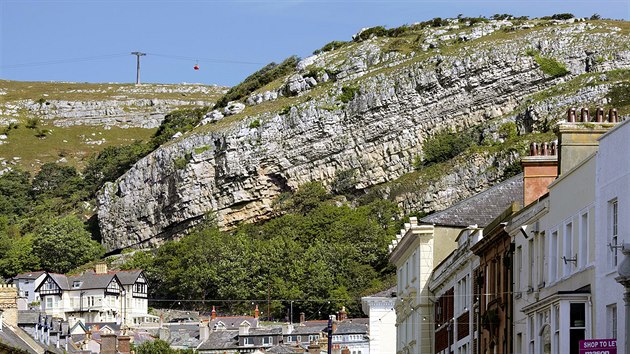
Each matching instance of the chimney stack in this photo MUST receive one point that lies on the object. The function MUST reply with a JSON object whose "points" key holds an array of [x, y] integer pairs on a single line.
{"points": [[204, 331], [8, 303], [539, 170], [108, 343], [213, 315], [256, 312], [124, 346], [343, 314], [578, 138], [100, 268], [302, 317]]}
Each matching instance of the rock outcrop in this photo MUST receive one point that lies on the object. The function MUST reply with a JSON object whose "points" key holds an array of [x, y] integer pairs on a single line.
{"points": [[237, 170]]}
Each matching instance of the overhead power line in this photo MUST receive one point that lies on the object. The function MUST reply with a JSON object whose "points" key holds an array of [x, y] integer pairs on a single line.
{"points": [[63, 61], [212, 60]]}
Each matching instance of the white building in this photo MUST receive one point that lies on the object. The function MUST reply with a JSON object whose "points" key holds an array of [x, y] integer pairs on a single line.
{"points": [[100, 296], [382, 326], [27, 283], [554, 236], [612, 197]]}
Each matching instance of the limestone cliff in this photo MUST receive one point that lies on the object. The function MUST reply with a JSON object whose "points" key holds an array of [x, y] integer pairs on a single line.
{"points": [[368, 109]]}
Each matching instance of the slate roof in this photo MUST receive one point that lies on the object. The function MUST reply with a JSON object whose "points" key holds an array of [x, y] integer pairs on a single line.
{"points": [[29, 275], [91, 280], [265, 331], [220, 340], [351, 327], [232, 322], [10, 338], [282, 349], [481, 208], [128, 277], [28, 317]]}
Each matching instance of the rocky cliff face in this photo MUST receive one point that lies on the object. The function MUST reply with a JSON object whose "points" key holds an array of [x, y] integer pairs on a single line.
{"points": [[107, 105], [397, 101]]}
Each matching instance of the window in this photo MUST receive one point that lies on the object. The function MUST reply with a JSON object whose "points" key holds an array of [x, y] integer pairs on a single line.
{"points": [[556, 328], [577, 326], [553, 257], [530, 251], [248, 341], [462, 294], [611, 319], [583, 256], [26, 293], [519, 343], [76, 284], [312, 338], [568, 247], [532, 334], [542, 261], [415, 266], [519, 269], [49, 302], [612, 226], [267, 340]]}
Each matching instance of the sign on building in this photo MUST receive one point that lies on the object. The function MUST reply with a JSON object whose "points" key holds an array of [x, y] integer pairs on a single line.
{"points": [[598, 346]]}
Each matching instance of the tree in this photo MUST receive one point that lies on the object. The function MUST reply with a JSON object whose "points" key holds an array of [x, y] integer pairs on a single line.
{"points": [[14, 193], [55, 180], [159, 346], [63, 244]]}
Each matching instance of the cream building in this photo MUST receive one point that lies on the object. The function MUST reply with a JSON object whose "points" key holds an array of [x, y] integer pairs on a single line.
{"points": [[421, 246]]}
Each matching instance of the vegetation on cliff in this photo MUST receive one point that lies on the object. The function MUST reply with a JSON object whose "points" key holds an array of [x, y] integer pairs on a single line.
{"points": [[322, 253]]}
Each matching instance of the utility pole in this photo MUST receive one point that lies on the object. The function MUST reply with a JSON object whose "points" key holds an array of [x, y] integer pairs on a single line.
{"points": [[138, 55]]}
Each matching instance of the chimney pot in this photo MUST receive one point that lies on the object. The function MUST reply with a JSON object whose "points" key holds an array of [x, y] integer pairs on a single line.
{"points": [[585, 117], [302, 317], [571, 115], [554, 147], [544, 149], [533, 149], [256, 312], [599, 115], [213, 313], [612, 115]]}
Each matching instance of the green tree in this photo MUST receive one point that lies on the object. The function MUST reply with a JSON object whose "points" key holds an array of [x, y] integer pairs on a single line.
{"points": [[15, 199], [63, 244], [159, 346], [55, 180]]}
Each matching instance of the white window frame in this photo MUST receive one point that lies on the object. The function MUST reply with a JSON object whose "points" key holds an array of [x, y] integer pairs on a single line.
{"points": [[613, 232], [584, 240]]}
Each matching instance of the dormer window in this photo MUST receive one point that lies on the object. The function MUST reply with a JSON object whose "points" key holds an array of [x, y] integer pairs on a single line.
{"points": [[76, 284]]}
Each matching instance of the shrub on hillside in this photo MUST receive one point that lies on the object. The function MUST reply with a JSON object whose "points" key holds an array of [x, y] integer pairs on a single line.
{"points": [[444, 146], [257, 80], [330, 46], [551, 66]]}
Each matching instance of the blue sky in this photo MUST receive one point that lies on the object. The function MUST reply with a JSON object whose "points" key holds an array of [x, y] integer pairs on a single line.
{"points": [[91, 40]]}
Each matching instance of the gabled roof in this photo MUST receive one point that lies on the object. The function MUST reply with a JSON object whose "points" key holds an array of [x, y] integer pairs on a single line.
{"points": [[88, 280], [481, 208], [129, 277]]}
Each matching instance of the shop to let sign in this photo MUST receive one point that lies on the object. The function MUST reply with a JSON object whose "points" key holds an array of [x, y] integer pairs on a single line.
{"points": [[598, 346]]}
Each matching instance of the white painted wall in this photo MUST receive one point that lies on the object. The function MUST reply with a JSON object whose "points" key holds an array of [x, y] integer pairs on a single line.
{"points": [[613, 181], [380, 311]]}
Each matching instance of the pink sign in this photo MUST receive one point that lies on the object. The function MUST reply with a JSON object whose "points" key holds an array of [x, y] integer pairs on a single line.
{"points": [[598, 346]]}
